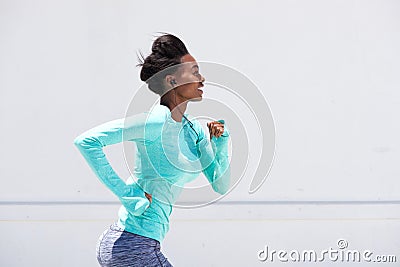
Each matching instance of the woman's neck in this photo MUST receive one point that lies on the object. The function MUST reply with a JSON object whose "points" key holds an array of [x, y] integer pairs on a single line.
{"points": [[177, 110]]}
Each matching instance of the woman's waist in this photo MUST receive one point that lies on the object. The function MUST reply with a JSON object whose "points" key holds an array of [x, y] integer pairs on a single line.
{"points": [[156, 212]]}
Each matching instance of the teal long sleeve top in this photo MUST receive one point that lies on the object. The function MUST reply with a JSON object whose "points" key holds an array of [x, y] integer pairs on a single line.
{"points": [[168, 155]]}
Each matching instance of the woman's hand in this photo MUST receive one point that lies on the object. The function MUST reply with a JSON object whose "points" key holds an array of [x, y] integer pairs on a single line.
{"points": [[215, 128]]}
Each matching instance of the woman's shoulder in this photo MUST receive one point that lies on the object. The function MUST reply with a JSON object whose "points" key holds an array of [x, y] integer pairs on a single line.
{"points": [[147, 125], [155, 115]]}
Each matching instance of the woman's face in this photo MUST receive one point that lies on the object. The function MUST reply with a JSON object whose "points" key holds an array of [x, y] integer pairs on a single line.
{"points": [[189, 80]]}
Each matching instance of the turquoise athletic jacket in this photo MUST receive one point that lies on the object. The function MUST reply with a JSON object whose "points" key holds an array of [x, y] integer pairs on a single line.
{"points": [[169, 154]]}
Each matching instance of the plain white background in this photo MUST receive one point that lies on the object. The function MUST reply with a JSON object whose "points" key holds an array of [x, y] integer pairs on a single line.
{"points": [[328, 69]]}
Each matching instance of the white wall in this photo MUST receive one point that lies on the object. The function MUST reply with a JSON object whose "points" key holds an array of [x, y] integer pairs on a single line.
{"points": [[329, 71]]}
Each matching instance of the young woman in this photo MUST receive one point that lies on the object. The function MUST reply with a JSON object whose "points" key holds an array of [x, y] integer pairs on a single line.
{"points": [[171, 151]]}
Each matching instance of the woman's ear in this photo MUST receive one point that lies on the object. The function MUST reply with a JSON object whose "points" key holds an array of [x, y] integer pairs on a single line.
{"points": [[170, 79]]}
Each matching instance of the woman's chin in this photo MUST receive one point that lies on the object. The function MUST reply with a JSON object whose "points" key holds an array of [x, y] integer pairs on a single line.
{"points": [[196, 99]]}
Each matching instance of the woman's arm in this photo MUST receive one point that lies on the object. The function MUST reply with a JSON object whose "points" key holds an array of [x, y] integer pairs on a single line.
{"points": [[214, 159], [91, 142]]}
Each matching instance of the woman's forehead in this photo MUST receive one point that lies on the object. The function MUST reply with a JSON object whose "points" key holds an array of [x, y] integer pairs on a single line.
{"points": [[188, 58]]}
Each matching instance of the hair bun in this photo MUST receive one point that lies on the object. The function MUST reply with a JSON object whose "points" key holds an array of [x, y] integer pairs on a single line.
{"points": [[168, 46], [156, 47]]}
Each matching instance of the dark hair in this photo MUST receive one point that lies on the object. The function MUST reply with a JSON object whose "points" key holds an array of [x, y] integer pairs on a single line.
{"points": [[166, 51]]}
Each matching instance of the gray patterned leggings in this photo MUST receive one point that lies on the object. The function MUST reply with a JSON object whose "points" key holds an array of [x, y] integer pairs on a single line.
{"points": [[117, 247]]}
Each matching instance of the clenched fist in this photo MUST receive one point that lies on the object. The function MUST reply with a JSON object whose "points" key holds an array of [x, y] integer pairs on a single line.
{"points": [[215, 128]]}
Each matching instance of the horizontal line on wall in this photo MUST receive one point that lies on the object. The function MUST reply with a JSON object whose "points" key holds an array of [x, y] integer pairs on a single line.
{"points": [[259, 202], [211, 220]]}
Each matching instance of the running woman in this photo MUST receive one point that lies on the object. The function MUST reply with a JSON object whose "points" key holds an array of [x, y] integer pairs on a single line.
{"points": [[171, 150]]}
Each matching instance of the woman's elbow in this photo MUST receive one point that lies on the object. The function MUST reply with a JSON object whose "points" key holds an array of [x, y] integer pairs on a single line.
{"points": [[222, 190], [82, 141], [86, 141], [78, 141], [223, 186]]}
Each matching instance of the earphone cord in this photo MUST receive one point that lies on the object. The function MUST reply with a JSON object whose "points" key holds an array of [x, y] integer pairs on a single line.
{"points": [[190, 123]]}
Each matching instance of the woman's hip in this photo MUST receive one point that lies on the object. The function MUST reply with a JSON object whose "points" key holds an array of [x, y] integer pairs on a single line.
{"points": [[117, 247]]}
